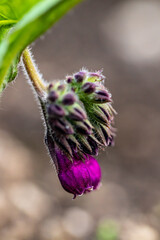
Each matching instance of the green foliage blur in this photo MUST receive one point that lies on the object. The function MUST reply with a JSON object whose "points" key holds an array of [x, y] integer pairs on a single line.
{"points": [[20, 25], [107, 230]]}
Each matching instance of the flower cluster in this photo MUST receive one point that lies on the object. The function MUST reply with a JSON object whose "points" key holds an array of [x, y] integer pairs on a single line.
{"points": [[79, 118], [97, 103]]}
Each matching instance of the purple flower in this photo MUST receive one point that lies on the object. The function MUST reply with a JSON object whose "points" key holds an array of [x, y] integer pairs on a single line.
{"points": [[77, 176]]}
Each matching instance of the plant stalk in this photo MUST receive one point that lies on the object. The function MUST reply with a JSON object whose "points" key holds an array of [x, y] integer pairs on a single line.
{"points": [[33, 73]]}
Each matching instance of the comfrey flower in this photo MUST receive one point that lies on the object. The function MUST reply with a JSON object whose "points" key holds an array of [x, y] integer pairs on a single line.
{"points": [[79, 115], [77, 177]]}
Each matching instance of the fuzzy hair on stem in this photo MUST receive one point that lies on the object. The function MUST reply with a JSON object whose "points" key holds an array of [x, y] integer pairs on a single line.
{"points": [[32, 73]]}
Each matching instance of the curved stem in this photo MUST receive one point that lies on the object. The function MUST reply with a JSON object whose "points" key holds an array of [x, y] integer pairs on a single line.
{"points": [[33, 73]]}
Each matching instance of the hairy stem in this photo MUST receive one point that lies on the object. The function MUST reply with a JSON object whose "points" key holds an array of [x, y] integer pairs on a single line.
{"points": [[33, 74]]}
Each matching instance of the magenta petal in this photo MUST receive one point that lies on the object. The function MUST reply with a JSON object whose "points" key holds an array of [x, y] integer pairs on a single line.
{"points": [[94, 170], [78, 177]]}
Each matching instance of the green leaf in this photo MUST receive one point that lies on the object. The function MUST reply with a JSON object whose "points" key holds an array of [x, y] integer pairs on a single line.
{"points": [[34, 18], [15, 9]]}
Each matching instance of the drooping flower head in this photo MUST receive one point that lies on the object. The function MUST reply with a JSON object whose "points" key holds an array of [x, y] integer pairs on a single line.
{"points": [[79, 116]]}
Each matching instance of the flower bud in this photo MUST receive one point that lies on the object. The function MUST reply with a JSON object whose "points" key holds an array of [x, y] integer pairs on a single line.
{"points": [[101, 96], [80, 76], [68, 99], [106, 113], [52, 96], [99, 115], [98, 133], [69, 79], [61, 87], [89, 87], [77, 114], [77, 177], [84, 128], [73, 142], [97, 75], [62, 126], [94, 145], [84, 145], [64, 145], [54, 110], [51, 85], [79, 117], [109, 135]]}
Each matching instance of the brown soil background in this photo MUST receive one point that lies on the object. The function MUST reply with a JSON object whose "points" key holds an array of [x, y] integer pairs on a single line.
{"points": [[123, 38]]}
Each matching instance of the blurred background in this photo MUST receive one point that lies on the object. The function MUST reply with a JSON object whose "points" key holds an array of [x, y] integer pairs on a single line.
{"points": [[123, 38]]}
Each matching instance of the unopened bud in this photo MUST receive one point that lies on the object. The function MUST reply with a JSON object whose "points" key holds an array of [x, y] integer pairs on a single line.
{"points": [[61, 87], [69, 99], [80, 76], [84, 144], [83, 128], [77, 114], [89, 87], [105, 112], [93, 145], [62, 126], [52, 96], [79, 177], [101, 96], [99, 115], [74, 144], [98, 75], [98, 133], [54, 110], [108, 134], [50, 86], [64, 145], [76, 176], [69, 79]]}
